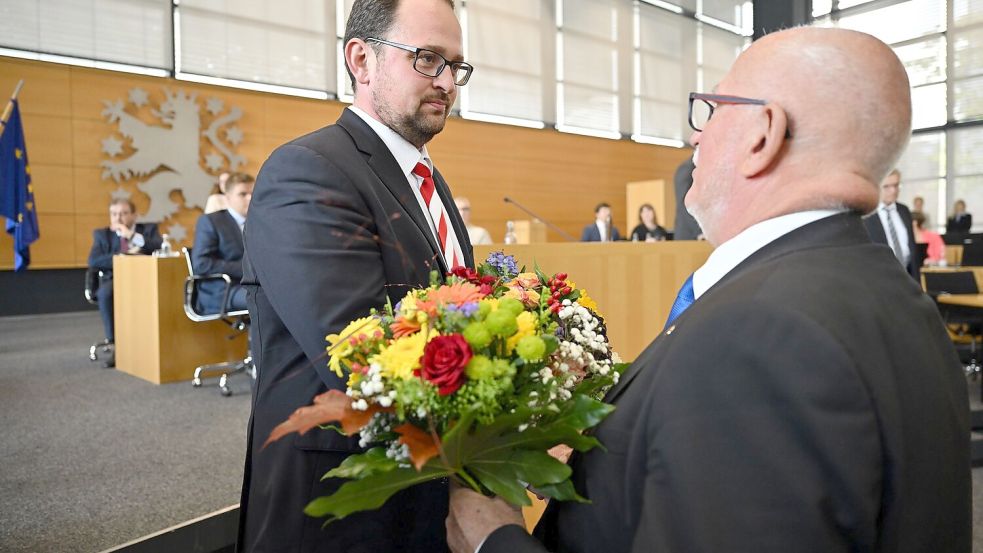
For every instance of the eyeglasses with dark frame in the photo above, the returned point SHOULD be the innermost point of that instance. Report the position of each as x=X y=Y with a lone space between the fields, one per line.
x=710 y=101
x=430 y=63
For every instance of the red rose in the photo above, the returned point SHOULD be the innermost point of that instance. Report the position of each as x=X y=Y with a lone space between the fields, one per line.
x=466 y=273
x=443 y=362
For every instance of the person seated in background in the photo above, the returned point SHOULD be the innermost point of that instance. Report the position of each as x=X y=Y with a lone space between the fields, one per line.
x=936 y=247
x=219 y=247
x=918 y=204
x=959 y=222
x=216 y=201
x=478 y=235
x=601 y=230
x=648 y=229
x=123 y=236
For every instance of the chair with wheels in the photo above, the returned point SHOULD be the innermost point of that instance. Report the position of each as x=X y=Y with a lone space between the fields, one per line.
x=238 y=321
x=964 y=323
x=92 y=278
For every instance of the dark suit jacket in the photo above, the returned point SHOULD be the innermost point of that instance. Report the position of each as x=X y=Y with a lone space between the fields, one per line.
x=876 y=230
x=333 y=230
x=592 y=234
x=810 y=401
x=218 y=249
x=959 y=224
x=105 y=244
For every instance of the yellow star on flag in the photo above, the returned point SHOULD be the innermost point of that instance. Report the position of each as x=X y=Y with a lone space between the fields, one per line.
x=18 y=153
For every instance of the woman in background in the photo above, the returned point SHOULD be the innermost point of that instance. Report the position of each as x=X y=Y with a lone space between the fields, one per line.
x=936 y=248
x=959 y=222
x=648 y=229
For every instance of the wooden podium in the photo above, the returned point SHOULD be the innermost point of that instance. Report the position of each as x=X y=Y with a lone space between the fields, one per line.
x=633 y=283
x=155 y=340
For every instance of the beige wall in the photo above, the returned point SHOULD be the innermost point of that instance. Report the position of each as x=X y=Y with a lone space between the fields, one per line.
x=560 y=176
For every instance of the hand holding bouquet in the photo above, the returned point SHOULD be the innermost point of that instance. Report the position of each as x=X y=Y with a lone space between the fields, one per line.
x=476 y=379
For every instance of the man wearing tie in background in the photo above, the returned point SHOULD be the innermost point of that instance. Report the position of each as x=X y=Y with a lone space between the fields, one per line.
x=809 y=399
x=891 y=224
x=601 y=230
x=219 y=247
x=341 y=220
x=123 y=236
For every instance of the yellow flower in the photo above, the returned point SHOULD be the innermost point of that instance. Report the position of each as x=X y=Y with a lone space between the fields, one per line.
x=526 y=322
x=402 y=356
x=584 y=299
x=341 y=345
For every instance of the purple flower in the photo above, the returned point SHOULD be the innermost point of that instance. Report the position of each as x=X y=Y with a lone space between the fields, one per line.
x=466 y=309
x=504 y=264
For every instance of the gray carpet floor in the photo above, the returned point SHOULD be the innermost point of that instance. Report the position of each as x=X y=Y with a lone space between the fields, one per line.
x=91 y=458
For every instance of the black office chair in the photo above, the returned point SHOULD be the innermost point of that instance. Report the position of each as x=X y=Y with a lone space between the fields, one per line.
x=238 y=321
x=92 y=278
x=962 y=321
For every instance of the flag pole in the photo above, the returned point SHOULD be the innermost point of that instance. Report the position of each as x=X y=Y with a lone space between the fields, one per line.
x=10 y=103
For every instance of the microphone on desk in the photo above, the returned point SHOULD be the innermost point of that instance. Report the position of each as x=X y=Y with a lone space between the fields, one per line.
x=560 y=231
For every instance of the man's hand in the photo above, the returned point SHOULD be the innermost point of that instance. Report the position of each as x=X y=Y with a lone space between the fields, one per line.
x=473 y=517
x=122 y=230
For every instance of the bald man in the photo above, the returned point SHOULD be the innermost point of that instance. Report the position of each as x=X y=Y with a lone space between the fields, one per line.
x=808 y=399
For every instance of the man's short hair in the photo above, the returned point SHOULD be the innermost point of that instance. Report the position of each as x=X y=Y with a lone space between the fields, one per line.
x=238 y=178
x=371 y=18
x=600 y=205
x=894 y=172
x=121 y=201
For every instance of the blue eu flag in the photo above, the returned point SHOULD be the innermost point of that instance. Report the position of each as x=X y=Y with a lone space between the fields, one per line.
x=16 y=193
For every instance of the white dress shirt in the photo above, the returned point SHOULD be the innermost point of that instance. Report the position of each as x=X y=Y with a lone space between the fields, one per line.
x=731 y=253
x=239 y=219
x=407 y=156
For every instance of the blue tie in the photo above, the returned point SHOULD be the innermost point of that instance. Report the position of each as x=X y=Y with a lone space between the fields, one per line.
x=683 y=300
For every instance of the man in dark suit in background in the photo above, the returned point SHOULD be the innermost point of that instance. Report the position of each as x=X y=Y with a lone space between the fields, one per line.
x=686 y=227
x=123 y=236
x=809 y=400
x=218 y=247
x=601 y=230
x=340 y=220
x=890 y=224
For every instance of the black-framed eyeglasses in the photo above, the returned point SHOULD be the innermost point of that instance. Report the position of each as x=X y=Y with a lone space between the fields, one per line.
x=430 y=63
x=701 y=108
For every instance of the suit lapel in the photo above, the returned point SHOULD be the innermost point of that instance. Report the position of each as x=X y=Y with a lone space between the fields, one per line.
x=384 y=165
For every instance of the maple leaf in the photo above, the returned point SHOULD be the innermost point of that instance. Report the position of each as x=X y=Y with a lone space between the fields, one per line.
x=329 y=407
x=421 y=444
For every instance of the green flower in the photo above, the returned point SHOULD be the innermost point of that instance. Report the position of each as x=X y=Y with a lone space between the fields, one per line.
x=484 y=308
x=480 y=367
x=477 y=335
x=511 y=305
x=503 y=368
x=531 y=348
x=501 y=322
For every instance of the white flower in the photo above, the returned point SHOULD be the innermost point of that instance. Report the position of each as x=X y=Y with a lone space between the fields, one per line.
x=385 y=401
x=360 y=405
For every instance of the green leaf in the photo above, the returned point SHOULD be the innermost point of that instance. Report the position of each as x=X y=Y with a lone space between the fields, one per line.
x=583 y=412
x=539 y=273
x=538 y=468
x=564 y=491
x=498 y=475
x=371 y=492
x=373 y=461
x=453 y=442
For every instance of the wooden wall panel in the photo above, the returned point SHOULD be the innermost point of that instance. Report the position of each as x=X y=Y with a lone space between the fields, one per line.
x=560 y=176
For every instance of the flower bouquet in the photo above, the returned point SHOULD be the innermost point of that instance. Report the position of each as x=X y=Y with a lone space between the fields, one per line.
x=475 y=378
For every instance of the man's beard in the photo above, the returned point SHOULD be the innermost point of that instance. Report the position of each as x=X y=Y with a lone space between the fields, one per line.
x=417 y=128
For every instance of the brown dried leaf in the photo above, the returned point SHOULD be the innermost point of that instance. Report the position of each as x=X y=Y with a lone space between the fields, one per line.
x=421 y=444
x=329 y=407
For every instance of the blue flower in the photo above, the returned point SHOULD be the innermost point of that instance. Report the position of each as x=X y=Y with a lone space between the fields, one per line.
x=505 y=265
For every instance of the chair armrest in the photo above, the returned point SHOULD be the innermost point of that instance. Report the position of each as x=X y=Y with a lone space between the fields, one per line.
x=189 y=289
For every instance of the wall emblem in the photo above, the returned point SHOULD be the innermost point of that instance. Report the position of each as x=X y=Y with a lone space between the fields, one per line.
x=178 y=147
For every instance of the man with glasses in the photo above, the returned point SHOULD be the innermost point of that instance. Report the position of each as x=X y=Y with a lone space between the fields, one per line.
x=804 y=395
x=342 y=219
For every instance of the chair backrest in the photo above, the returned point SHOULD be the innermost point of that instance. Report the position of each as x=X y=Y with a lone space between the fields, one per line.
x=972 y=254
x=91 y=284
x=951 y=282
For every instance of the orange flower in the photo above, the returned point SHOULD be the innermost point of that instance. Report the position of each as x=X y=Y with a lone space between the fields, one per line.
x=457 y=294
x=404 y=327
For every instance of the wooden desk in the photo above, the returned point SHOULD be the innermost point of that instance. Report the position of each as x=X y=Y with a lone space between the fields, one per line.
x=155 y=340
x=964 y=300
x=633 y=283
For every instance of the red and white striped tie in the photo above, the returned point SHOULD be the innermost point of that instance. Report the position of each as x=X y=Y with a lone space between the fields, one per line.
x=445 y=234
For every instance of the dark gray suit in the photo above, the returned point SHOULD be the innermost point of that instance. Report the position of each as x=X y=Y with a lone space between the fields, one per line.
x=686 y=227
x=876 y=230
x=218 y=249
x=333 y=230
x=810 y=401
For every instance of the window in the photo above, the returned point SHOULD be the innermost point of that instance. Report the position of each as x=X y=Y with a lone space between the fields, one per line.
x=587 y=67
x=132 y=32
